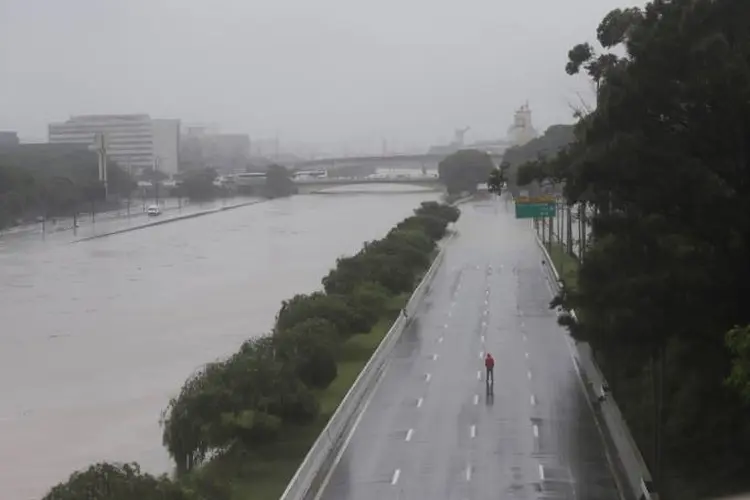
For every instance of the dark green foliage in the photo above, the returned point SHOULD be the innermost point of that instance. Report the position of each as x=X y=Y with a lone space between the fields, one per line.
x=278 y=182
x=662 y=161
x=333 y=308
x=53 y=180
x=108 y=481
x=464 y=170
x=310 y=348
x=199 y=184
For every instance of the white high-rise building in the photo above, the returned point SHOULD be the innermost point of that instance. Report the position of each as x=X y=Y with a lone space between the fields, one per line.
x=522 y=130
x=135 y=142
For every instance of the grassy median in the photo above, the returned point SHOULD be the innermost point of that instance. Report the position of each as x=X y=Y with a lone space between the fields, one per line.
x=566 y=265
x=264 y=473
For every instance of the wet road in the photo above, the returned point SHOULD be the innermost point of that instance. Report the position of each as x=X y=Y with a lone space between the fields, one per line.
x=431 y=430
x=97 y=336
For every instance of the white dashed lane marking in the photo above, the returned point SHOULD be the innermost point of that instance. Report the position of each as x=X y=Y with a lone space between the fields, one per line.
x=396 y=475
x=419 y=402
x=408 y=434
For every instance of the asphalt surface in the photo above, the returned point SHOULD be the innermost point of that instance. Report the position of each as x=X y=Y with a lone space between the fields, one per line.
x=432 y=430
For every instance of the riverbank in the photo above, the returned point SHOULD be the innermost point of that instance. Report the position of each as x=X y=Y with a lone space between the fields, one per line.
x=264 y=473
x=161 y=221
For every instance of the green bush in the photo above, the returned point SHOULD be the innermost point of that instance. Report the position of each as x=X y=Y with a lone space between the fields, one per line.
x=109 y=481
x=310 y=348
x=442 y=211
x=333 y=308
x=432 y=226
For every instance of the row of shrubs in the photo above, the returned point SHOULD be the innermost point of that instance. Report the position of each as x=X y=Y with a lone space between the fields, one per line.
x=273 y=382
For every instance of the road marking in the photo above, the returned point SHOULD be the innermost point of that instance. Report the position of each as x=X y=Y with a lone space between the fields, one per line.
x=482 y=338
x=520 y=313
x=362 y=412
x=476 y=399
x=479 y=374
x=445 y=325
x=473 y=431
x=525 y=337
x=528 y=374
x=527 y=355
x=536 y=431
x=396 y=475
x=468 y=472
x=427 y=377
x=450 y=313
x=541 y=472
x=419 y=402
x=434 y=357
x=481 y=354
x=484 y=324
x=533 y=400
x=408 y=434
x=486 y=302
x=453 y=304
x=485 y=312
x=440 y=340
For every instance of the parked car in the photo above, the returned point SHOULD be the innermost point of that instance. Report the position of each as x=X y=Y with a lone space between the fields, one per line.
x=153 y=210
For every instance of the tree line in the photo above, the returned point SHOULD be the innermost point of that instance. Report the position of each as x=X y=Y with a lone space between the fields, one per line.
x=272 y=384
x=662 y=289
x=52 y=182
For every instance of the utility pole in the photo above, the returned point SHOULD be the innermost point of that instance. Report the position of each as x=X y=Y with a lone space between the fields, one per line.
x=100 y=146
x=155 y=181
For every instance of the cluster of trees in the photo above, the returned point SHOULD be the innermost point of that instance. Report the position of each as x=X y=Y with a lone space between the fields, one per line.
x=278 y=182
x=52 y=180
x=519 y=160
x=662 y=295
x=273 y=382
x=464 y=170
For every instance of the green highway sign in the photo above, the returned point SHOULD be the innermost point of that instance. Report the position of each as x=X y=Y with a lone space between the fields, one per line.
x=538 y=210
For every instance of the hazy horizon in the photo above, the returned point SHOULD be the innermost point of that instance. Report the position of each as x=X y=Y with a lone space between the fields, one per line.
x=334 y=73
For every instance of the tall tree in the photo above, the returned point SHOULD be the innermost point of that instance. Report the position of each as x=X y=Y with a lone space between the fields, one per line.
x=663 y=162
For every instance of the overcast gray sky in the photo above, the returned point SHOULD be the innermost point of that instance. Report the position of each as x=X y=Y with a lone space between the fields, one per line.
x=317 y=71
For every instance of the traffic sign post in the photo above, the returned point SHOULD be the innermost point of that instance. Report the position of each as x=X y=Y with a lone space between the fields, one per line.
x=535 y=210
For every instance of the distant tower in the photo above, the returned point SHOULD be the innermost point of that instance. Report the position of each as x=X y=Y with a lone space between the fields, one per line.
x=458 y=136
x=522 y=130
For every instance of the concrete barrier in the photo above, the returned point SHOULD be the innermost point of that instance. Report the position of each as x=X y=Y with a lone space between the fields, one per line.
x=636 y=474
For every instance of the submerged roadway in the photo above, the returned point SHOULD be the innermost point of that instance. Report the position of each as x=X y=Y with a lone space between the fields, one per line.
x=432 y=430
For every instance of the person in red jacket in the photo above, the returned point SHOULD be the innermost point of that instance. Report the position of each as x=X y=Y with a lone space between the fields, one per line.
x=489 y=364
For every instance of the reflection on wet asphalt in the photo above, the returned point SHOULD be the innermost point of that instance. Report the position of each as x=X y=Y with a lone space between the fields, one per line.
x=97 y=336
x=433 y=429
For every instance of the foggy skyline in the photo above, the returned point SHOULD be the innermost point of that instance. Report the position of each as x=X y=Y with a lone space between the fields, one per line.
x=331 y=72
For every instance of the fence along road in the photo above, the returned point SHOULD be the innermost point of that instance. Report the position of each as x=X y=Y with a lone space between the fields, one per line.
x=431 y=430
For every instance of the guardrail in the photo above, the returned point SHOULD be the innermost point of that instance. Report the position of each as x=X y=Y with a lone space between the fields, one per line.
x=320 y=457
x=637 y=475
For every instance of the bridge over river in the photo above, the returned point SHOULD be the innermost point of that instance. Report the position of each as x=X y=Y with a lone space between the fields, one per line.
x=427 y=161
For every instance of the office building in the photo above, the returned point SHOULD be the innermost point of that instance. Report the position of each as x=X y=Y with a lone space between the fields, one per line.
x=224 y=152
x=135 y=142
x=8 y=139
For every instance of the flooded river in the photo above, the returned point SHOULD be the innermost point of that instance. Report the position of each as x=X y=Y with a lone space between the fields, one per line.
x=96 y=336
